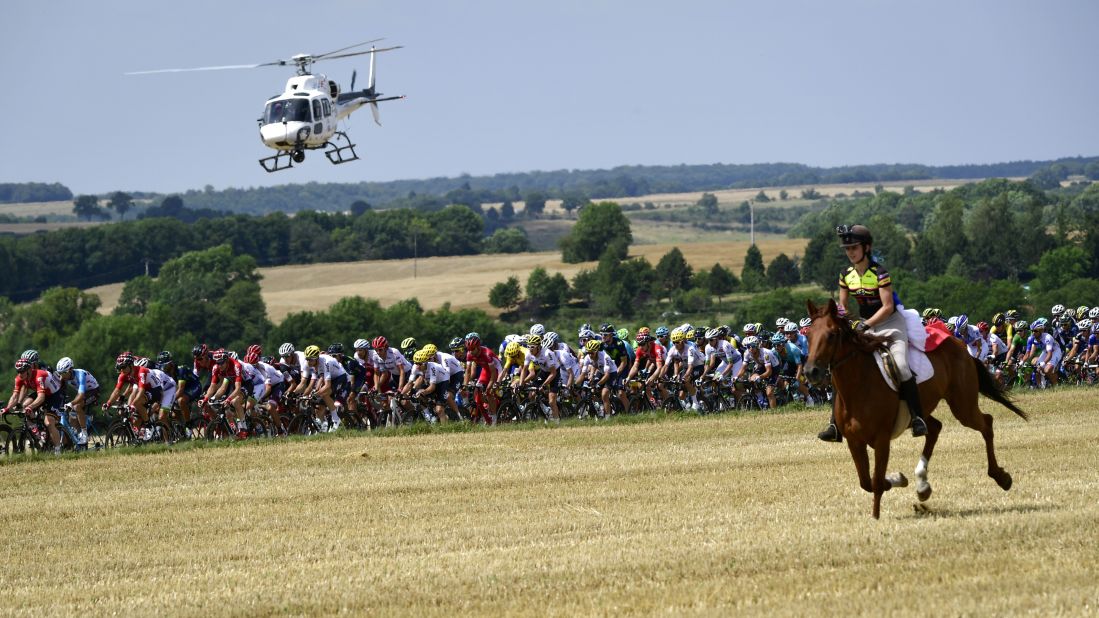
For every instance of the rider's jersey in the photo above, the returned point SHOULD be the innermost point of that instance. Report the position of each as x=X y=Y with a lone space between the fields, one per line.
x=690 y=354
x=140 y=377
x=793 y=354
x=433 y=373
x=515 y=360
x=159 y=379
x=483 y=358
x=655 y=353
x=83 y=380
x=452 y=364
x=803 y=345
x=763 y=358
x=41 y=381
x=544 y=360
x=230 y=370
x=725 y=352
x=566 y=360
x=1022 y=344
x=297 y=359
x=602 y=364
x=329 y=367
x=617 y=350
x=249 y=373
x=268 y=374
x=994 y=341
x=1064 y=337
x=392 y=362
x=865 y=287
x=1048 y=350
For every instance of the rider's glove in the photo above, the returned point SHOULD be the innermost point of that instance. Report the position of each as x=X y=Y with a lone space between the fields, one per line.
x=861 y=327
x=105 y=406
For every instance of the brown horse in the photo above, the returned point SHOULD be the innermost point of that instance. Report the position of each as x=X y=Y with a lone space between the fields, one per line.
x=867 y=408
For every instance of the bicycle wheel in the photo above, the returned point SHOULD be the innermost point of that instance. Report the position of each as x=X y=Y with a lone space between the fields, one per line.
x=671 y=403
x=585 y=410
x=508 y=412
x=303 y=425
x=119 y=434
x=219 y=430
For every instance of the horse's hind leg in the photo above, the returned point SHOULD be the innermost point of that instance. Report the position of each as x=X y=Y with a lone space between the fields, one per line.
x=862 y=464
x=881 y=462
x=969 y=414
x=923 y=487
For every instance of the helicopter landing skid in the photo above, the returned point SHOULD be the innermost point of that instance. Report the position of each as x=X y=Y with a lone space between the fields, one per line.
x=284 y=160
x=341 y=154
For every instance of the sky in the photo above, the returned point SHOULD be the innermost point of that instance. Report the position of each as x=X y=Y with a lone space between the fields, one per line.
x=497 y=86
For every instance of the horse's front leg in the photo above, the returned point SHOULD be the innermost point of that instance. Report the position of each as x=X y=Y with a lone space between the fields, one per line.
x=923 y=487
x=881 y=460
x=862 y=463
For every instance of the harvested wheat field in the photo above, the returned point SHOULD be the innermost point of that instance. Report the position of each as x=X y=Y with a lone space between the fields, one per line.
x=462 y=281
x=717 y=515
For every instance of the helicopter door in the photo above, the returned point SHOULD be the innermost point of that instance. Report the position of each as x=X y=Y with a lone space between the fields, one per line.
x=318 y=116
x=328 y=124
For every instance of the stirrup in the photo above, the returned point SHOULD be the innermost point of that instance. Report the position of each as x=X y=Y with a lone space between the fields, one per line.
x=919 y=427
x=831 y=433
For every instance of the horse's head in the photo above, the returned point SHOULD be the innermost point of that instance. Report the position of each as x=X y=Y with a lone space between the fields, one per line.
x=826 y=336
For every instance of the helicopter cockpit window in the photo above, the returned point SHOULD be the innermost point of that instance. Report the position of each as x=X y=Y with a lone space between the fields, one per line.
x=327 y=108
x=317 y=109
x=289 y=110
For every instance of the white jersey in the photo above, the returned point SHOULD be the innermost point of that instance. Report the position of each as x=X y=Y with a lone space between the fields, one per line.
x=690 y=354
x=1050 y=351
x=433 y=373
x=329 y=368
x=158 y=379
x=544 y=360
x=727 y=356
x=452 y=364
x=303 y=365
x=566 y=360
x=269 y=374
x=994 y=341
x=601 y=364
x=248 y=373
x=392 y=362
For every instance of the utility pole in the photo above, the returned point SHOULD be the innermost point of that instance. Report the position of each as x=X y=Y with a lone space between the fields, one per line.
x=415 y=251
x=752 y=219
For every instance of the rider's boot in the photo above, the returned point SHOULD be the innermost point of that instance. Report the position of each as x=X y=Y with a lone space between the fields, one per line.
x=911 y=394
x=831 y=433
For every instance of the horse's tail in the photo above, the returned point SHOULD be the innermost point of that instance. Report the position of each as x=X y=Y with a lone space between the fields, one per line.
x=991 y=389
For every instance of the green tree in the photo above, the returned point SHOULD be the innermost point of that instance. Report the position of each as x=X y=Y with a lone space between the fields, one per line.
x=943 y=236
x=810 y=194
x=545 y=292
x=358 y=207
x=692 y=301
x=505 y=294
x=573 y=200
x=708 y=203
x=722 y=281
x=583 y=285
x=783 y=272
x=783 y=195
x=600 y=227
x=121 y=203
x=985 y=230
x=87 y=207
x=458 y=230
x=673 y=273
x=761 y=197
x=507 y=211
x=1060 y=266
x=507 y=240
x=534 y=204
x=753 y=275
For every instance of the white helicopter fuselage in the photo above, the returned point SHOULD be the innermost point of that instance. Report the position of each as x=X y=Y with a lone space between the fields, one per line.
x=305 y=115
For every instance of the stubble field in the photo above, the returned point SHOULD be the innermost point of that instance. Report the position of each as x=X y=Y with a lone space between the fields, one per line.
x=717 y=515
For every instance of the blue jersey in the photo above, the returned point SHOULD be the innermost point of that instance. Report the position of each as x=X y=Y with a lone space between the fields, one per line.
x=803 y=345
x=793 y=353
x=83 y=380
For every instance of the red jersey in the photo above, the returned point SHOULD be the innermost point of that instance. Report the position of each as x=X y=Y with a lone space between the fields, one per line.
x=41 y=380
x=231 y=371
x=138 y=376
x=657 y=354
x=204 y=363
x=482 y=357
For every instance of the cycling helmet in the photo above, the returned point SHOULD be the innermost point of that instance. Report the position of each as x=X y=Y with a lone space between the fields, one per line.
x=512 y=348
x=162 y=358
x=1084 y=325
x=124 y=360
x=592 y=346
x=805 y=322
x=1069 y=313
x=1065 y=319
x=952 y=321
x=380 y=343
x=689 y=333
x=662 y=331
x=251 y=358
x=538 y=329
x=286 y=349
x=962 y=323
x=473 y=340
x=791 y=327
x=723 y=330
x=22 y=365
x=1038 y=324
x=1057 y=310
x=220 y=356
x=408 y=343
x=335 y=348
x=853 y=235
x=678 y=336
x=1082 y=311
x=266 y=359
x=750 y=342
x=66 y=363
x=749 y=329
x=201 y=350
x=141 y=362
x=983 y=327
x=781 y=322
x=533 y=340
x=588 y=334
x=700 y=333
x=456 y=344
x=551 y=339
x=361 y=344
x=998 y=319
x=1011 y=314
x=622 y=333
x=421 y=356
x=606 y=329
x=1094 y=313
x=585 y=326
x=713 y=333
x=312 y=352
x=431 y=350
x=643 y=338
x=1022 y=326
x=928 y=313
x=524 y=339
x=233 y=355
x=778 y=339
x=31 y=356
x=644 y=330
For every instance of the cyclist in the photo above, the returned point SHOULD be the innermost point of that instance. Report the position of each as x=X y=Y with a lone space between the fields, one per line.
x=1018 y=348
x=542 y=365
x=455 y=372
x=514 y=355
x=87 y=394
x=620 y=354
x=482 y=365
x=267 y=386
x=389 y=366
x=1044 y=349
x=648 y=361
x=722 y=358
x=162 y=395
x=188 y=385
x=429 y=380
x=47 y=396
x=795 y=336
x=764 y=366
x=791 y=365
x=663 y=336
x=331 y=383
x=686 y=363
x=569 y=375
x=227 y=382
x=600 y=372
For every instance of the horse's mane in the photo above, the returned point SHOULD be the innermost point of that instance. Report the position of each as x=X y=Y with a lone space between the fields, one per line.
x=863 y=341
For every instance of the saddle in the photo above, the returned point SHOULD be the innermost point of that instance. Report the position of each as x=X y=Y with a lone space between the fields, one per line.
x=918 y=362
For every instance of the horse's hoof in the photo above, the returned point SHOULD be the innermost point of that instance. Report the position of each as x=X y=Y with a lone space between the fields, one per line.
x=1004 y=481
x=923 y=491
x=897 y=479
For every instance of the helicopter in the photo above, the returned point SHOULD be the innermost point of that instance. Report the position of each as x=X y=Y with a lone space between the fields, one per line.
x=305 y=116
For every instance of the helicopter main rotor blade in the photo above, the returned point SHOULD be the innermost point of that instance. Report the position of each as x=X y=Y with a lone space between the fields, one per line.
x=220 y=68
x=336 y=51
x=361 y=53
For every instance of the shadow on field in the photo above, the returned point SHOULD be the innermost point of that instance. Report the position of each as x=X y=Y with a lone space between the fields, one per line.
x=920 y=510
